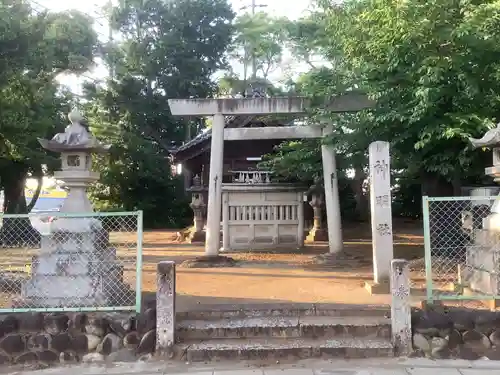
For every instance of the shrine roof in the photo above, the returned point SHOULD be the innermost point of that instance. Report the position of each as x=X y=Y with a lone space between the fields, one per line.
x=201 y=142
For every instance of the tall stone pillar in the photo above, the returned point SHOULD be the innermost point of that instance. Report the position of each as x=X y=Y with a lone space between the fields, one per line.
x=332 y=202
x=212 y=244
x=381 y=216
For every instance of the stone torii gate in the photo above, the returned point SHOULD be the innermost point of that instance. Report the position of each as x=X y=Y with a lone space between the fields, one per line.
x=218 y=108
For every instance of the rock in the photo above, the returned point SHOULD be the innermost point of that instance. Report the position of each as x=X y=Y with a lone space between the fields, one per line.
x=92 y=358
x=438 y=346
x=13 y=343
x=8 y=324
x=430 y=323
x=486 y=321
x=146 y=321
x=111 y=343
x=62 y=342
x=122 y=355
x=495 y=337
x=121 y=324
x=463 y=320
x=56 y=323
x=454 y=339
x=30 y=322
x=78 y=322
x=147 y=343
x=68 y=357
x=467 y=353
x=96 y=326
x=92 y=342
x=80 y=343
x=47 y=356
x=493 y=354
x=421 y=343
x=476 y=341
x=39 y=341
x=26 y=357
x=4 y=358
x=131 y=340
x=146 y=357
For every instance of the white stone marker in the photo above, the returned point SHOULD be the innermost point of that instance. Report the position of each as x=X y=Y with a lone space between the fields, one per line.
x=381 y=214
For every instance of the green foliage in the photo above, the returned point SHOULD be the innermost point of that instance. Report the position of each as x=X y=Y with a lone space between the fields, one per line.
x=36 y=47
x=170 y=50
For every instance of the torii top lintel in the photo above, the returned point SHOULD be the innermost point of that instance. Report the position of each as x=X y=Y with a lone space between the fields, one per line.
x=349 y=102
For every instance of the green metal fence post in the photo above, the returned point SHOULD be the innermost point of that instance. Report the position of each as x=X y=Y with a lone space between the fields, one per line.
x=138 y=272
x=427 y=247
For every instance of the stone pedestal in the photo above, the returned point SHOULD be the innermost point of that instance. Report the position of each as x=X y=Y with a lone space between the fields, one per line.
x=317 y=232
x=76 y=266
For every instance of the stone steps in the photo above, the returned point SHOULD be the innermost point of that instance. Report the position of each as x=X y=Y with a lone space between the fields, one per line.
x=273 y=332
x=279 y=349
x=216 y=312
x=285 y=327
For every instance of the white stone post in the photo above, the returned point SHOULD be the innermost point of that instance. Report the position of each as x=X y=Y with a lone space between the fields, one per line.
x=332 y=202
x=212 y=243
x=401 y=307
x=381 y=214
x=225 y=221
x=300 y=216
x=165 y=307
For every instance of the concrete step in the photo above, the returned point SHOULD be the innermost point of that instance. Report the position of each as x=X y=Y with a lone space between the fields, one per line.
x=285 y=327
x=217 y=312
x=281 y=349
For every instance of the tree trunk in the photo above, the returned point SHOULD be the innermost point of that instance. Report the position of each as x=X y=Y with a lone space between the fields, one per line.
x=16 y=231
x=39 y=179
x=359 y=196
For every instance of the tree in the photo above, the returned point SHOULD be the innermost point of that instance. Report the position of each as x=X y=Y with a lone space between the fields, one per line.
x=433 y=68
x=169 y=50
x=258 y=44
x=36 y=47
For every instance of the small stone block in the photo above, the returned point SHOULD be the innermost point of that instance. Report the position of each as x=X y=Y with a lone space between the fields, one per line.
x=165 y=309
x=378 y=288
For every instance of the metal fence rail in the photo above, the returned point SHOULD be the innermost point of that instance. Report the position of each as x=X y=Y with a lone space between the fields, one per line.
x=71 y=262
x=462 y=252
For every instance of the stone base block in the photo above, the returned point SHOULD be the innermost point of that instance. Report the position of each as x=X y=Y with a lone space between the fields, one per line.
x=486 y=258
x=197 y=237
x=316 y=235
x=378 y=288
x=482 y=281
x=484 y=237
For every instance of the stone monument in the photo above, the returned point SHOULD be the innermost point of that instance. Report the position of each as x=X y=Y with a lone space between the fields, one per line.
x=482 y=271
x=75 y=266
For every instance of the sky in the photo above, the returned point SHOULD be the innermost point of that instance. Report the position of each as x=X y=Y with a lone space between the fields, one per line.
x=292 y=9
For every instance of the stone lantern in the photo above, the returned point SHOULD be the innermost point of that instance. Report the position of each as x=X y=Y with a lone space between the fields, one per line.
x=76 y=266
x=482 y=255
x=317 y=232
x=198 y=206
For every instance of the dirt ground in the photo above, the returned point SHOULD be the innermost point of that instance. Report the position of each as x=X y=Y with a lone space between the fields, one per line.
x=278 y=277
x=259 y=277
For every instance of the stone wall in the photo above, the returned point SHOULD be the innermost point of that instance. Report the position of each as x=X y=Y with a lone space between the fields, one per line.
x=48 y=338
x=449 y=332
